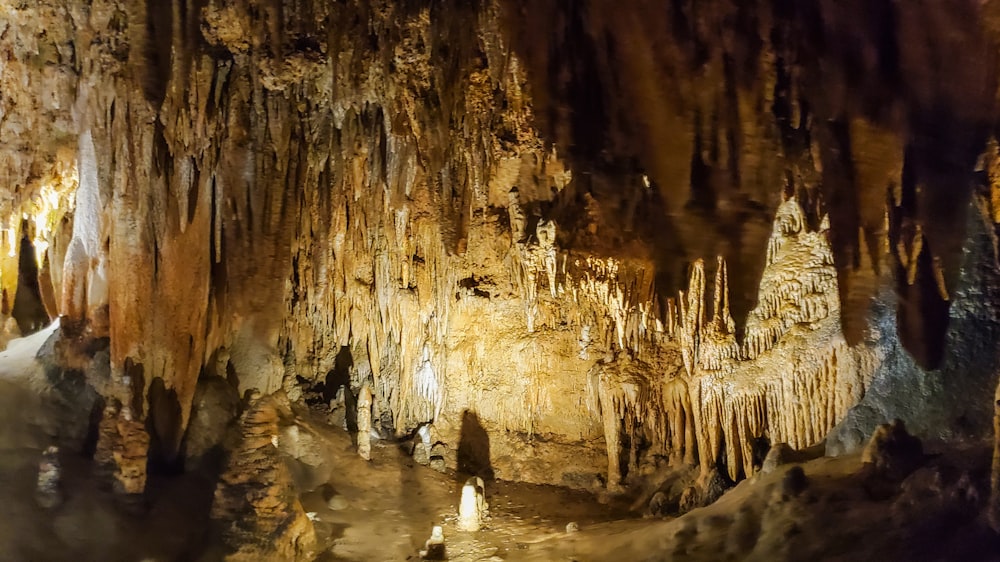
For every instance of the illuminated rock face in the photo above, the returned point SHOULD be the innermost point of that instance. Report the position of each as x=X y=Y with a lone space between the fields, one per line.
x=790 y=379
x=261 y=191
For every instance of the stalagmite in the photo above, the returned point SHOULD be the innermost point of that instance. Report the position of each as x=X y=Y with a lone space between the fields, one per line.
x=434 y=546
x=48 y=489
x=130 y=454
x=472 y=509
x=255 y=502
x=365 y=422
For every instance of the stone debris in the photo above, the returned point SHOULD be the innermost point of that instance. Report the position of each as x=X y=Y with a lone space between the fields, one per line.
x=892 y=452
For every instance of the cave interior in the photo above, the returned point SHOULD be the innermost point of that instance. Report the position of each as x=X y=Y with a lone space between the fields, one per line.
x=487 y=280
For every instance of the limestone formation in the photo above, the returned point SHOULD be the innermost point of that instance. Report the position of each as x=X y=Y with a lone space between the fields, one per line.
x=779 y=454
x=108 y=438
x=129 y=453
x=515 y=214
x=48 y=490
x=639 y=231
x=658 y=504
x=473 y=508
x=434 y=547
x=255 y=506
x=403 y=175
x=422 y=446
x=216 y=406
x=892 y=452
x=794 y=482
x=365 y=423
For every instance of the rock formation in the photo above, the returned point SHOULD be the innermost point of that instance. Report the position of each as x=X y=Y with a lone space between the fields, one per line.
x=472 y=509
x=434 y=548
x=48 y=491
x=365 y=423
x=255 y=504
x=631 y=231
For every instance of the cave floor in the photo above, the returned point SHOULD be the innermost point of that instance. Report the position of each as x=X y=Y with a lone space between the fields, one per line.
x=838 y=511
x=381 y=509
x=384 y=509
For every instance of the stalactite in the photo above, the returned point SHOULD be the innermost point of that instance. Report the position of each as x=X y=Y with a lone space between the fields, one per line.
x=286 y=187
x=772 y=383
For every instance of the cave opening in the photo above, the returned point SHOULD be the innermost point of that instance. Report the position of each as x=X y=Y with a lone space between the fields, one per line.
x=28 y=309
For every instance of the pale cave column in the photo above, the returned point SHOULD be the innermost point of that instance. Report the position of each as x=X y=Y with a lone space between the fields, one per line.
x=518 y=220
x=546 y=232
x=612 y=439
x=365 y=422
x=84 y=289
x=97 y=296
x=73 y=302
x=473 y=507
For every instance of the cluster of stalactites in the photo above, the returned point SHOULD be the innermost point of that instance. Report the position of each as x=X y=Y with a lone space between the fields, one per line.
x=797 y=402
x=609 y=297
x=781 y=382
x=630 y=402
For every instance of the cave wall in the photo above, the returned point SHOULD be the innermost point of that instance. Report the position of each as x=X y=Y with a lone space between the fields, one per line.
x=467 y=197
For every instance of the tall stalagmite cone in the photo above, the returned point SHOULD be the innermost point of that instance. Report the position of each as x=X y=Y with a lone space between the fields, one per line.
x=365 y=422
x=255 y=504
x=130 y=454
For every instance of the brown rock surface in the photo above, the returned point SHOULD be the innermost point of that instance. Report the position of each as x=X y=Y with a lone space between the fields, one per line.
x=256 y=506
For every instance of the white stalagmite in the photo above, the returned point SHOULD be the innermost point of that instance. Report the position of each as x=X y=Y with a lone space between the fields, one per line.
x=365 y=422
x=473 y=507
